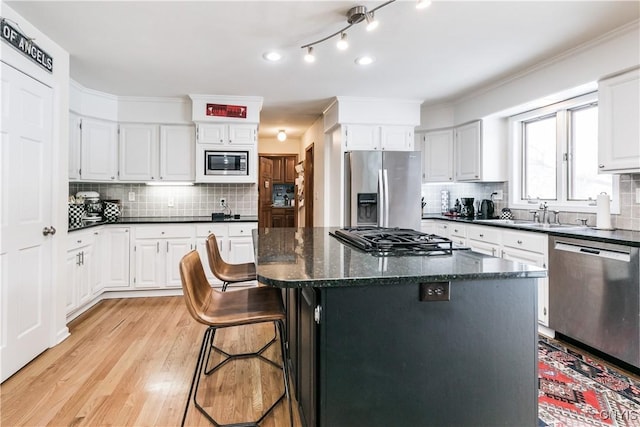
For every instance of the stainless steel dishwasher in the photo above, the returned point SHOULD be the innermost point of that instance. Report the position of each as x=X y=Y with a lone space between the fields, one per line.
x=594 y=295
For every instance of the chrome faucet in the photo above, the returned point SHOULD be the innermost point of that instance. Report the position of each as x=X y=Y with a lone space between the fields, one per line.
x=543 y=208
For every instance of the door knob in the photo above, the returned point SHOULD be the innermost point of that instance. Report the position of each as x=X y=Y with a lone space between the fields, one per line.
x=48 y=230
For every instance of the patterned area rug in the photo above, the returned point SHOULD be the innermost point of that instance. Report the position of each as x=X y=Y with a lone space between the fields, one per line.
x=576 y=390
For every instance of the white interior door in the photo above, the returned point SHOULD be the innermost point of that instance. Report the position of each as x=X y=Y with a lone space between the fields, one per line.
x=25 y=252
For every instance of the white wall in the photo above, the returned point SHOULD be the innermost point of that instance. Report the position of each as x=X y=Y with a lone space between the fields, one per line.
x=59 y=81
x=576 y=70
x=273 y=146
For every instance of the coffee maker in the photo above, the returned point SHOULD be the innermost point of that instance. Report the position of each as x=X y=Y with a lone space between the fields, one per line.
x=467 y=210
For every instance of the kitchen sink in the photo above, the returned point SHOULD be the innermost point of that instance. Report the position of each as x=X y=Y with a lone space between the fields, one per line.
x=504 y=221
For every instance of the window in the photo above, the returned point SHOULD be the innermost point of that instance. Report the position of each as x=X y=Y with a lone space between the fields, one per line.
x=555 y=157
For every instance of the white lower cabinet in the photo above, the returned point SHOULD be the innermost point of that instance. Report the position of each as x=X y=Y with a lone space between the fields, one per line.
x=157 y=253
x=79 y=266
x=221 y=232
x=428 y=226
x=526 y=247
x=241 y=243
x=114 y=257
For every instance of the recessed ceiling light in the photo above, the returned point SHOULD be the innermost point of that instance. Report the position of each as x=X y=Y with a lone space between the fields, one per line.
x=364 y=60
x=272 y=56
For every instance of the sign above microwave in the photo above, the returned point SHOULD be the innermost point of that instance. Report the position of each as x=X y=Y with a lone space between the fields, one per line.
x=222 y=110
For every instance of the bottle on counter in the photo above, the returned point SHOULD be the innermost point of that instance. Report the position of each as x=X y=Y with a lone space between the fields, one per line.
x=457 y=207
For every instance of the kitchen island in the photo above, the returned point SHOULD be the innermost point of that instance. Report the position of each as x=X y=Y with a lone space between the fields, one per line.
x=404 y=340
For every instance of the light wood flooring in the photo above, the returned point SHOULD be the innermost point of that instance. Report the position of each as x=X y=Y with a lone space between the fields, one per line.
x=129 y=362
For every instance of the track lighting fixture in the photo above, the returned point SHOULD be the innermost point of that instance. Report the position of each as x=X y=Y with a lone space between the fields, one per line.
x=343 y=43
x=310 y=57
x=355 y=15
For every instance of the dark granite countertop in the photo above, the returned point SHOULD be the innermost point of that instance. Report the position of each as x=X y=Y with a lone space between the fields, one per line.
x=310 y=257
x=164 y=220
x=625 y=237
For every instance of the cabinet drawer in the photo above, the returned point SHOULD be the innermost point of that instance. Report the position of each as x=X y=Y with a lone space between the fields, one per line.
x=534 y=242
x=80 y=239
x=242 y=229
x=457 y=230
x=163 y=232
x=484 y=234
x=203 y=230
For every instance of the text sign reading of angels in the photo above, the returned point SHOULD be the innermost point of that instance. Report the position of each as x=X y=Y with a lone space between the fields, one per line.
x=26 y=46
x=220 y=110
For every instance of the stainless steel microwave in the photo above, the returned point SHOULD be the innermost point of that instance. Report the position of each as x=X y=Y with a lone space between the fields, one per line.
x=226 y=162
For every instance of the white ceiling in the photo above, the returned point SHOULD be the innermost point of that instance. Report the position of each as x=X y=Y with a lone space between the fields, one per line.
x=161 y=48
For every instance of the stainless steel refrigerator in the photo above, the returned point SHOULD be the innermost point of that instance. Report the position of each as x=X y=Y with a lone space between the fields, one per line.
x=382 y=188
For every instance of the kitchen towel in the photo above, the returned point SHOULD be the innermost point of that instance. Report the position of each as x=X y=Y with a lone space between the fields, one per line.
x=603 y=213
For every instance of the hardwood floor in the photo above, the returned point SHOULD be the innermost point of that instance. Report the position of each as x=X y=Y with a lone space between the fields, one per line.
x=129 y=362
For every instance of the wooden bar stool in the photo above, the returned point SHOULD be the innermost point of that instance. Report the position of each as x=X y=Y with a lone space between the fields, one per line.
x=228 y=273
x=224 y=309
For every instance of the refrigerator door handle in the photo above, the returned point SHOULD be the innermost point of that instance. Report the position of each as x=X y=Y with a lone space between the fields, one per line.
x=386 y=197
x=381 y=202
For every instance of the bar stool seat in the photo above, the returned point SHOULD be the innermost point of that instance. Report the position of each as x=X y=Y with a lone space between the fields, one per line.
x=225 y=309
x=228 y=273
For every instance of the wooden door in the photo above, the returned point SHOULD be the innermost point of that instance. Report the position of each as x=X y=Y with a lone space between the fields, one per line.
x=265 y=199
x=26 y=247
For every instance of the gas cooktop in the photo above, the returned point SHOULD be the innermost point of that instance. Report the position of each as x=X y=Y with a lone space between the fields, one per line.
x=394 y=241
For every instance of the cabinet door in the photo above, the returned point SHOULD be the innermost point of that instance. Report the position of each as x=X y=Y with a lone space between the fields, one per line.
x=438 y=156
x=148 y=267
x=289 y=218
x=468 y=152
x=177 y=153
x=396 y=138
x=240 y=250
x=618 y=131
x=94 y=261
x=307 y=351
x=278 y=169
x=72 y=267
x=201 y=246
x=138 y=152
x=526 y=257
x=242 y=134
x=99 y=150
x=175 y=250
x=85 y=276
x=277 y=218
x=362 y=137
x=289 y=169
x=75 y=134
x=483 y=247
x=115 y=255
x=212 y=133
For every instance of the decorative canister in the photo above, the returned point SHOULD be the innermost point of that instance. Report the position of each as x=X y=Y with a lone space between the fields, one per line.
x=506 y=214
x=111 y=211
x=76 y=212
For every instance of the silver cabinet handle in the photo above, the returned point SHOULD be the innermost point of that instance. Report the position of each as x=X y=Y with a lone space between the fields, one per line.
x=167 y=246
x=493 y=251
x=158 y=247
x=49 y=231
x=78 y=258
x=601 y=166
x=519 y=242
x=481 y=235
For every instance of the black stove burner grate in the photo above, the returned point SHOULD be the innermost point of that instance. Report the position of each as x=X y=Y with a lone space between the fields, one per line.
x=395 y=241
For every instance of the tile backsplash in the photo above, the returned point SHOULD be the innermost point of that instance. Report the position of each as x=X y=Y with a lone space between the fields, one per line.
x=628 y=219
x=196 y=200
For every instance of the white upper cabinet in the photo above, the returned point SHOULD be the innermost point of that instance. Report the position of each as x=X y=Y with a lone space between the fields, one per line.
x=468 y=142
x=373 y=137
x=99 y=150
x=437 y=155
x=156 y=153
x=177 y=153
x=227 y=134
x=75 y=138
x=138 y=152
x=618 y=129
x=474 y=151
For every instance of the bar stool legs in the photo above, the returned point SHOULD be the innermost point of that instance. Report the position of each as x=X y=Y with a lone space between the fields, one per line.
x=201 y=369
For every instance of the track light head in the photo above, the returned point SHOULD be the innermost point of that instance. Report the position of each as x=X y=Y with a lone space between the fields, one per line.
x=310 y=57
x=343 y=43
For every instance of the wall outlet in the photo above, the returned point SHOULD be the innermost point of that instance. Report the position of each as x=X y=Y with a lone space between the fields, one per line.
x=170 y=202
x=132 y=196
x=499 y=195
x=223 y=201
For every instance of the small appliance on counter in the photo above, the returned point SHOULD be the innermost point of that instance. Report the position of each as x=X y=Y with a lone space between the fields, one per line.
x=506 y=214
x=92 y=204
x=487 y=209
x=112 y=210
x=467 y=210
